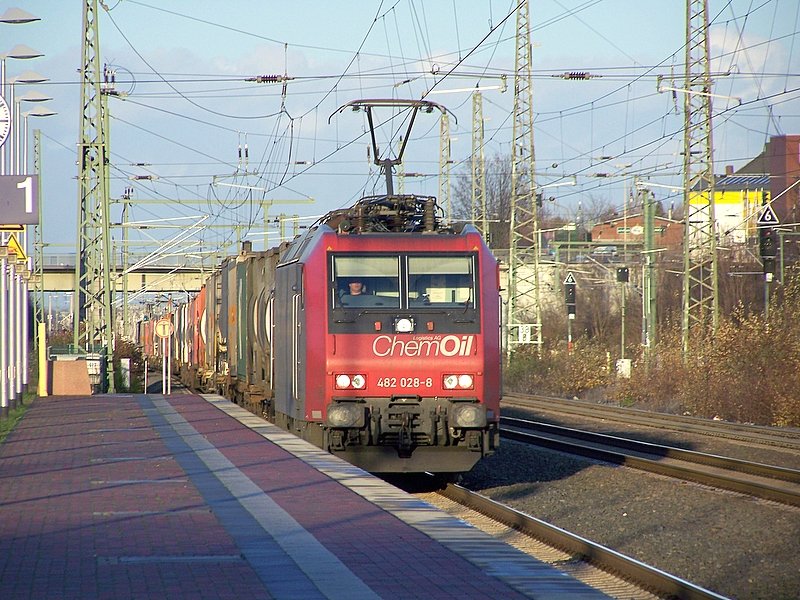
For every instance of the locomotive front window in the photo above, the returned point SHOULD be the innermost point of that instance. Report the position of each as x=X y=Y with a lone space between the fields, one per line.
x=441 y=281
x=366 y=281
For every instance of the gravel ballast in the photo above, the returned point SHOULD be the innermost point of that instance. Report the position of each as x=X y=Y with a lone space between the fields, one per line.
x=729 y=543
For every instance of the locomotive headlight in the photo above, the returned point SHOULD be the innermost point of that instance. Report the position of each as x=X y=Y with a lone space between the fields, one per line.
x=403 y=325
x=462 y=381
x=345 y=414
x=350 y=382
x=466 y=414
x=450 y=382
x=465 y=382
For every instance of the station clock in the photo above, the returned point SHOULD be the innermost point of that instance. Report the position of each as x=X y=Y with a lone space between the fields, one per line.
x=5 y=121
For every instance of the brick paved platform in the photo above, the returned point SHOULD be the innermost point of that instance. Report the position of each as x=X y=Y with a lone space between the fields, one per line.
x=192 y=497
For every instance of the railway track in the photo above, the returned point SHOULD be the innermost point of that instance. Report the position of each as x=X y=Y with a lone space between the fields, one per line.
x=779 y=484
x=753 y=434
x=605 y=569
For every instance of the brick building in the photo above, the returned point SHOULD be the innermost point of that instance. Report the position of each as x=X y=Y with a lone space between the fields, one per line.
x=668 y=232
x=780 y=160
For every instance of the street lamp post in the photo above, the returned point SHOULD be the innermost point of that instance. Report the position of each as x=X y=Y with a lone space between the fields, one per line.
x=19 y=166
x=13 y=278
x=20 y=52
x=39 y=111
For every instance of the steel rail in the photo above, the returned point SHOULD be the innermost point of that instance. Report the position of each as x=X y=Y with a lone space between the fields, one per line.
x=647 y=577
x=702 y=458
x=788 y=437
x=745 y=483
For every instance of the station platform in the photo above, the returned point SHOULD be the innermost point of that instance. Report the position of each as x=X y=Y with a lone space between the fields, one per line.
x=186 y=496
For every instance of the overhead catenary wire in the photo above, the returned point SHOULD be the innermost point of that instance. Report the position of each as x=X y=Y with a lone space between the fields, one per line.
x=279 y=169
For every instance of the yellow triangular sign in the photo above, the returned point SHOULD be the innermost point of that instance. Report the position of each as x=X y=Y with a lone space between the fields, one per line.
x=13 y=246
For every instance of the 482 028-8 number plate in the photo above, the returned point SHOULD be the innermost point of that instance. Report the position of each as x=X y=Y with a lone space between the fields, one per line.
x=405 y=382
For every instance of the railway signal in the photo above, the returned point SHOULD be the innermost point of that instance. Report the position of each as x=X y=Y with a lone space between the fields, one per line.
x=570 y=286
x=165 y=329
x=569 y=294
x=768 y=240
x=768 y=248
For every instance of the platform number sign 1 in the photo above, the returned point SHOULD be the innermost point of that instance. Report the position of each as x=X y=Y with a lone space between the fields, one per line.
x=19 y=198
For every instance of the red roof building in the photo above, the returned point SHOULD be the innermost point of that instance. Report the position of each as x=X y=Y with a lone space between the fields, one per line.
x=668 y=232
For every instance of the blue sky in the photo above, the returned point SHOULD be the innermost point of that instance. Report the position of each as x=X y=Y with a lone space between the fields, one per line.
x=182 y=66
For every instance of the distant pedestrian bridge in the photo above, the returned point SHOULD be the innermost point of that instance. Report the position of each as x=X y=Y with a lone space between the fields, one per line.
x=167 y=275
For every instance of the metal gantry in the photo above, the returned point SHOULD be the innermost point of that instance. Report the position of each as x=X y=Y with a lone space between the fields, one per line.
x=524 y=317
x=38 y=243
x=93 y=321
x=700 y=284
x=649 y=282
x=444 y=166
x=479 y=216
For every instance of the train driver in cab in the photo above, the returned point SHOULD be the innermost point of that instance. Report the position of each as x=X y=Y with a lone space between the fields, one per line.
x=356 y=287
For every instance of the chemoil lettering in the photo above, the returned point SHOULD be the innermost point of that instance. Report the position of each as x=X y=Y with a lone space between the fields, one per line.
x=449 y=345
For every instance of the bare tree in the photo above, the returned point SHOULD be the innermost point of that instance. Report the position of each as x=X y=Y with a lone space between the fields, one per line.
x=594 y=210
x=498 y=198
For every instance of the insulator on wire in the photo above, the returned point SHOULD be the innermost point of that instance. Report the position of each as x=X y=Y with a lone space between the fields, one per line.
x=576 y=75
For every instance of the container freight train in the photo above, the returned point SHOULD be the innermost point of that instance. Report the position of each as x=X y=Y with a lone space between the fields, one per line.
x=375 y=336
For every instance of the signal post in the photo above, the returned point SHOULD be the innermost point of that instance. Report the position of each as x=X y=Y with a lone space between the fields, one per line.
x=164 y=329
x=767 y=248
x=570 y=286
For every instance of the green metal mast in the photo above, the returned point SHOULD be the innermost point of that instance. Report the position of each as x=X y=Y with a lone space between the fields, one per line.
x=479 y=216
x=93 y=322
x=524 y=317
x=444 y=166
x=38 y=245
x=649 y=304
x=700 y=276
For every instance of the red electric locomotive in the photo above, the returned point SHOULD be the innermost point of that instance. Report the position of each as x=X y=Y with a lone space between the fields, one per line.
x=386 y=339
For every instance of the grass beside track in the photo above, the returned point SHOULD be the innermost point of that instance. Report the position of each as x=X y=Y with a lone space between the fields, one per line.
x=8 y=424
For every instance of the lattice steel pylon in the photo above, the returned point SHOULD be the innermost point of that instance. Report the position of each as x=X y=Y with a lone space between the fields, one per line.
x=38 y=245
x=444 y=166
x=93 y=320
x=479 y=217
x=524 y=315
x=700 y=283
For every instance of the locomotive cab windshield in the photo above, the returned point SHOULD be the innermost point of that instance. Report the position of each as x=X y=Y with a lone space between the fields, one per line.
x=366 y=281
x=409 y=281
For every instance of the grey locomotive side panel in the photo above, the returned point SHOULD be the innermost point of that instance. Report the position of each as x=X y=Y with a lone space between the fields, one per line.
x=289 y=342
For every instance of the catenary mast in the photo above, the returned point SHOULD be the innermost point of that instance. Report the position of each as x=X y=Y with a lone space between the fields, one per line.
x=700 y=283
x=479 y=217
x=524 y=318
x=92 y=318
